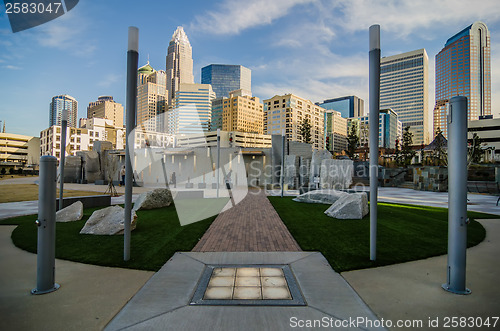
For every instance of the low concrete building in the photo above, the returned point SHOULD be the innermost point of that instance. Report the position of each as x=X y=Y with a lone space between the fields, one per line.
x=19 y=151
x=488 y=131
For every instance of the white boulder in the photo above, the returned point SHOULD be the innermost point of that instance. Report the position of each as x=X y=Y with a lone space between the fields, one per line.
x=73 y=212
x=350 y=206
x=108 y=221
x=321 y=196
x=157 y=198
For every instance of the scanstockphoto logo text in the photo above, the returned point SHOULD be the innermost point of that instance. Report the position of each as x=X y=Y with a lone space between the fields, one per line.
x=27 y=14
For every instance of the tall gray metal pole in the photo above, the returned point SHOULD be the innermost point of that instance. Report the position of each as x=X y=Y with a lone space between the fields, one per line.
x=283 y=139
x=374 y=129
x=46 y=246
x=457 y=195
x=218 y=161
x=132 y=62
x=64 y=125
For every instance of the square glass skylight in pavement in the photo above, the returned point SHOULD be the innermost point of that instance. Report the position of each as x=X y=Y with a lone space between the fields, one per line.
x=261 y=285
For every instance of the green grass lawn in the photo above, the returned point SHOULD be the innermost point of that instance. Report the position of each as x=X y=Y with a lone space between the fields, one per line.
x=405 y=233
x=157 y=237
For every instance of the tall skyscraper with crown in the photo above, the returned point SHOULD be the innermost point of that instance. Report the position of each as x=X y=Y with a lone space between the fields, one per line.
x=179 y=63
x=463 y=67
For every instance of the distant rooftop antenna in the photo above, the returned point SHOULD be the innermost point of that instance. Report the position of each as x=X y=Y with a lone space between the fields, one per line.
x=3 y=126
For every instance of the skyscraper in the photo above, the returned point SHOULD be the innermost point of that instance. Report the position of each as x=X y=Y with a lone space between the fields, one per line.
x=349 y=106
x=192 y=109
x=463 y=68
x=404 y=88
x=106 y=107
x=57 y=105
x=225 y=78
x=179 y=63
x=151 y=99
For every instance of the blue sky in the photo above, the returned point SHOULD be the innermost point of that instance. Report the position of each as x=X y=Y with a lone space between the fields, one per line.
x=317 y=49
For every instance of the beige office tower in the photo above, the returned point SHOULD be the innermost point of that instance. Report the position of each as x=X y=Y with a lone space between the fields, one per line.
x=179 y=63
x=242 y=113
x=286 y=113
x=105 y=107
x=151 y=99
x=404 y=80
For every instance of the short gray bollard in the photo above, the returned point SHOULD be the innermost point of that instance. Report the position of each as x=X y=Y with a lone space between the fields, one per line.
x=46 y=248
x=457 y=196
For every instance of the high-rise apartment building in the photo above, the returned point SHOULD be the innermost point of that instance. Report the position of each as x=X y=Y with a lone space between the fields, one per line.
x=286 y=113
x=225 y=78
x=179 y=63
x=60 y=103
x=192 y=109
x=242 y=113
x=463 y=68
x=404 y=89
x=151 y=99
x=105 y=107
x=349 y=106
x=335 y=131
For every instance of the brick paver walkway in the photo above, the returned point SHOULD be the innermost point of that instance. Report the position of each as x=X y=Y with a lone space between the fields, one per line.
x=251 y=226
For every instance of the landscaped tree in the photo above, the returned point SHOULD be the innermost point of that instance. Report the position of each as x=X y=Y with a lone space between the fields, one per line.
x=407 y=152
x=439 y=153
x=352 y=140
x=305 y=130
x=475 y=150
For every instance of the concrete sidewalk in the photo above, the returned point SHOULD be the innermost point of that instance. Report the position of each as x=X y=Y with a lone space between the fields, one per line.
x=88 y=299
x=412 y=290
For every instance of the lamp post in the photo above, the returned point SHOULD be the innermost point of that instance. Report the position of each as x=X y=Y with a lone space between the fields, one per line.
x=457 y=196
x=374 y=90
x=64 y=126
x=283 y=139
x=218 y=161
x=132 y=61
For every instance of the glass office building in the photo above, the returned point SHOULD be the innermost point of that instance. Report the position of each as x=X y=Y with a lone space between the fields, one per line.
x=225 y=78
x=404 y=88
x=349 y=106
x=60 y=103
x=463 y=68
x=192 y=109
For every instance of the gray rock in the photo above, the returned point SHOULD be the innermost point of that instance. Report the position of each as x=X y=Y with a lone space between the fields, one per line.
x=73 y=212
x=321 y=196
x=336 y=174
x=157 y=198
x=108 y=221
x=350 y=206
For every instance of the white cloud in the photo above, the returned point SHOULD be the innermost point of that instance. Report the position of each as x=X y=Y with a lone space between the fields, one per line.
x=109 y=80
x=407 y=17
x=11 y=67
x=232 y=17
x=66 y=33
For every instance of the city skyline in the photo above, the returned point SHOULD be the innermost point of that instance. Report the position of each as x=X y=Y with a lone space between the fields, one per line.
x=315 y=49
